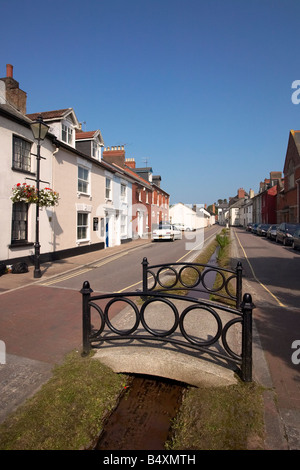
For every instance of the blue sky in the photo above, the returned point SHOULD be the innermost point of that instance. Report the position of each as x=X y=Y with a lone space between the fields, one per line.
x=201 y=90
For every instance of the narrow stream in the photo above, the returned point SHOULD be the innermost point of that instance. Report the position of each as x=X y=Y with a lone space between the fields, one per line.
x=142 y=419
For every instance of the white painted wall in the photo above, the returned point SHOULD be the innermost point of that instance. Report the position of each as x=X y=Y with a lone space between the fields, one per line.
x=10 y=177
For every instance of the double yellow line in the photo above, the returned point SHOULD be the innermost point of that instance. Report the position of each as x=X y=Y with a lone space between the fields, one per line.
x=254 y=275
x=77 y=272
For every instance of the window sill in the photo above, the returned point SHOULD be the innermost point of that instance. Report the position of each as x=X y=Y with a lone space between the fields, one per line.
x=21 y=170
x=85 y=240
x=79 y=194
x=22 y=244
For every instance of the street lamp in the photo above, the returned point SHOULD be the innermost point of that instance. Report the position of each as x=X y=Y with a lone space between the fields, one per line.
x=39 y=130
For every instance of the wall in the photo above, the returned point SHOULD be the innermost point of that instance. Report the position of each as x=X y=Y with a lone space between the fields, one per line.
x=9 y=178
x=71 y=201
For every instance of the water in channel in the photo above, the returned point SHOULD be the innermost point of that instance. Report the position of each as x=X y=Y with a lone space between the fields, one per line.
x=142 y=419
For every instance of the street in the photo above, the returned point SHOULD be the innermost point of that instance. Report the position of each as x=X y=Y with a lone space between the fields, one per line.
x=123 y=271
x=271 y=275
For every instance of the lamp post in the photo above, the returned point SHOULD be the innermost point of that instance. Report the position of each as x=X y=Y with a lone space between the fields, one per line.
x=39 y=130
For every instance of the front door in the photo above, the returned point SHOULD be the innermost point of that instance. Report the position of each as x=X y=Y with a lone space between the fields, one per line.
x=106 y=232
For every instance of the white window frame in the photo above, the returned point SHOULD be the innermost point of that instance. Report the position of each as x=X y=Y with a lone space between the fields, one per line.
x=123 y=192
x=67 y=134
x=123 y=224
x=86 y=226
x=95 y=150
x=83 y=180
x=108 y=188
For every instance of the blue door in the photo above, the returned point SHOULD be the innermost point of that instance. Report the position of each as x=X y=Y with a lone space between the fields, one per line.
x=106 y=232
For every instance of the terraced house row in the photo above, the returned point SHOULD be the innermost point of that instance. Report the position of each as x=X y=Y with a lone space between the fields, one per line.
x=104 y=200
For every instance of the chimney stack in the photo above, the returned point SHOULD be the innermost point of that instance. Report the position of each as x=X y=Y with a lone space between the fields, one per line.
x=114 y=155
x=9 y=70
x=130 y=162
x=241 y=193
x=13 y=94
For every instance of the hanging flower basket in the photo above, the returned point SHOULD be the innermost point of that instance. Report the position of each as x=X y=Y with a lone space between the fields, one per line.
x=48 y=197
x=25 y=193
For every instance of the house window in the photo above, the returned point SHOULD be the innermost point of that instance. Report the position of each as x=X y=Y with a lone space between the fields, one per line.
x=83 y=180
x=108 y=188
x=67 y=134
x=95 y=150
x=123 y=191
x=82 y=225
x=19 y=222
x=21 y=154
x=123 y=224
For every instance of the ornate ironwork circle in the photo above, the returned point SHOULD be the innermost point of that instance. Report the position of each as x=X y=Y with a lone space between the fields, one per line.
x=198 y=279
x=224 y=337
x=101 y=314
x=217 y=272
x=227 y=286
x=165 y=268
x=111 y=326
x=154 y=277
x=192 y=340
x=154 y=332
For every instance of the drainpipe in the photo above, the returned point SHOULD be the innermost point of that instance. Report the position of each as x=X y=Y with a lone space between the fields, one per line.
x=53 y=208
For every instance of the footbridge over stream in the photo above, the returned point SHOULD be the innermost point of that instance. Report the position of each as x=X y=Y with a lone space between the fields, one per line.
x=189 y=323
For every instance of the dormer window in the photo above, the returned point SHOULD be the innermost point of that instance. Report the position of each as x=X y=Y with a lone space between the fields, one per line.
x=95 y=150
x=67 y=134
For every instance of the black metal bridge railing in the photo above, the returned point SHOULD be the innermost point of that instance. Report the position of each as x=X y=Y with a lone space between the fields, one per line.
x=173 y=277
x=215 y=344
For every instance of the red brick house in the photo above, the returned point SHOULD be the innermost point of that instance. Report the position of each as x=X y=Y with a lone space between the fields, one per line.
x=288 y=201
x=269 y=206
x=160 y=199
x=268 y=191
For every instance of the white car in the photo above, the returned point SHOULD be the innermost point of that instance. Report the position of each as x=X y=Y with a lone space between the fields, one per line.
x=166 y=232
x=184 y=227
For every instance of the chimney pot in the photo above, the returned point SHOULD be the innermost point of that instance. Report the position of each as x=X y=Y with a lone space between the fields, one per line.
x=9 y=70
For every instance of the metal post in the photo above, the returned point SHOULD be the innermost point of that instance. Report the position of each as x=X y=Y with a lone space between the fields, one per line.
x=247 y=307
x=37 y=270
x=145 y=274
x=86 y=317
x=239 y=275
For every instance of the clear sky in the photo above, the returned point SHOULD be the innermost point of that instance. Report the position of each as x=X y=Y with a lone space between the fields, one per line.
x=200 y=90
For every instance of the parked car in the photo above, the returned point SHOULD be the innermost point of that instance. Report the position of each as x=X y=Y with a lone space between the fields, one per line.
x=271 y=232
x=262 y=229
x=254 y=228
x=285 y=232
x=248 y=227
x=296 y=240
x=183 y=227
x=166 y=232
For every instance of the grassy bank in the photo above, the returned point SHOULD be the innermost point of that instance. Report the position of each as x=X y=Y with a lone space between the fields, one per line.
x=69 y=410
